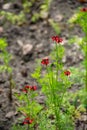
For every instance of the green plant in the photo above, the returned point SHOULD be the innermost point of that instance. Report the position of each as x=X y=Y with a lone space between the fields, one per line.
x=5 y=66
x=43 y=11
x=55 y=82
x=80 y=18
x=44 y=8
x=46 y=5
x=28 y=105
x=27 y=8
x=14 y=18
x=27 y=5
x=35 y=17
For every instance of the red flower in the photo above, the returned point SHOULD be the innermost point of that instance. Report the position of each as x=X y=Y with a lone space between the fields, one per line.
x=54 y=38
x=67 y=72
x=34 y=88
x=26 y=88
x=84 y=9
x=45 y=61
x=57 y=39
x=27 y=121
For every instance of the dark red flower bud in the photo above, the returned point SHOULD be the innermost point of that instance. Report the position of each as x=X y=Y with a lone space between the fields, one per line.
x=53 y=38
x=27 y=121
x=67 y=72
x=26 y=88
x=45 y=61
x=57 y=39
x=34 y=88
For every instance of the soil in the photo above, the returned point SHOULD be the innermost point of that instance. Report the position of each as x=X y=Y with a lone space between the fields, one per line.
x=38 y=35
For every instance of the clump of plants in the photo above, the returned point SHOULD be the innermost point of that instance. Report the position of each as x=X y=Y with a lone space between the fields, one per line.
x=21 y=18
x=28 y=106
x=41 y=13
x=58 y=111
x=54 y=82
x=13 y=18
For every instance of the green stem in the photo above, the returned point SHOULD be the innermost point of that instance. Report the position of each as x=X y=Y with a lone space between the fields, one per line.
x=50 y=85
x=53 y=97
x=53 y=94
x=32 y=100
x=28 y=127
x=57 y=103
x=57 y=62
x=28 y=103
